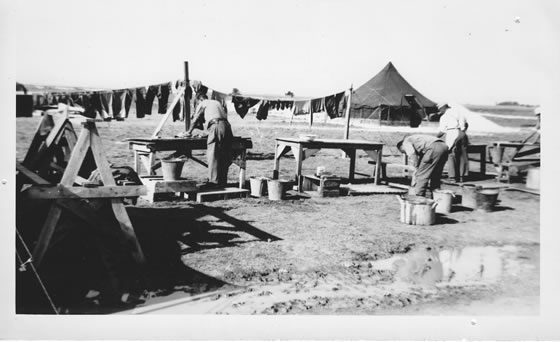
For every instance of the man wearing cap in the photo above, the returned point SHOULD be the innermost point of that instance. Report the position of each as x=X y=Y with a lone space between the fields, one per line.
x=453 y=125
x=219 y=139
x=428 y=155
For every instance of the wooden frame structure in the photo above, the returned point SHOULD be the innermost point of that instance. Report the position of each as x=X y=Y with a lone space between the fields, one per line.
x=67 y=196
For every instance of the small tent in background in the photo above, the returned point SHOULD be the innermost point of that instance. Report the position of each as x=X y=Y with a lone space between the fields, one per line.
x=389 y=98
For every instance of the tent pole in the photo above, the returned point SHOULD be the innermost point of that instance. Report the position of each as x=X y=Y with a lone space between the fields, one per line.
x=187 y=95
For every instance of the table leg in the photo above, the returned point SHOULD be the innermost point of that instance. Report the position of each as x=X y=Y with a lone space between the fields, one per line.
x=378 y=167
x=352 y=155
x=275 y=171
x=136 y=162
x=299 y=161
x=150 y=164
x=483 y=161
x=242 y=168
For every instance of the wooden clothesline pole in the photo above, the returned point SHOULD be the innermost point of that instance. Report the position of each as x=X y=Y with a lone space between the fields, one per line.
x=187 y=94
x=347 y=124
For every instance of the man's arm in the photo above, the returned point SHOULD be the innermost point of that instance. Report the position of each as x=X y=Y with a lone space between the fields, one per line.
x=411 y=153
x=198 y=114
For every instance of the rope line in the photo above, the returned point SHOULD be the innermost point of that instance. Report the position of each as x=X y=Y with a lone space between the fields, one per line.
x=30 y=261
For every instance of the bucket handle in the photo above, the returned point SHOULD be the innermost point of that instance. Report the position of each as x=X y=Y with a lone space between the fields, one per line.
x=434 y=205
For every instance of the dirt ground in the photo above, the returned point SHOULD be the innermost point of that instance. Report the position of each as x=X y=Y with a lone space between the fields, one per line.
x=309 y=255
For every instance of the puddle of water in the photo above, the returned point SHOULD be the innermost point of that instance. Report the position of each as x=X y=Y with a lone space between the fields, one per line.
x=470 y=264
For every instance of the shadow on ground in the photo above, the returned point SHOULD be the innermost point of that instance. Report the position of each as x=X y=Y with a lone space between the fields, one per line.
x=89 y=273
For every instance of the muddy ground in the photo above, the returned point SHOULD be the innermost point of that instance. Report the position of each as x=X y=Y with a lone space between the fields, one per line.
x=309 y=255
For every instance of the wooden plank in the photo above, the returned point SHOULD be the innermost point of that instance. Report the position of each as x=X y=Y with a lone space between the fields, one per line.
x=46 y=234
x=117 y=205
x=221 y=194
x=60 y=191
x=77 y=158
x=32 y=176
x=169 y=111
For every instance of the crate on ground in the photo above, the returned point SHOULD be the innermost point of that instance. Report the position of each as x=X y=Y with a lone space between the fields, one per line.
x=159 y=189
x=325 y=185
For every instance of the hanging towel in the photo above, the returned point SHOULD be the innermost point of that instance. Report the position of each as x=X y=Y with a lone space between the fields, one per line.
x=242 y=104
x=262 y=112
x=163 y=97
x=199 y=88
x=332 y=104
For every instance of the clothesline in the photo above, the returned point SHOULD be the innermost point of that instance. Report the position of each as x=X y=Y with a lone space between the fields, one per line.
x=116 y=103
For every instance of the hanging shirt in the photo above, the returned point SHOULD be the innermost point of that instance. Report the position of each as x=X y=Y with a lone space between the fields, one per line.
x=317 y=105
x=140 y=102
x=242 y=104
x=332 y=105
x=301 y=107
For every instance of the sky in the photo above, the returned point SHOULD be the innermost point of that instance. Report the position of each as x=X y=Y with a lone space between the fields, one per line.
x=479 y=52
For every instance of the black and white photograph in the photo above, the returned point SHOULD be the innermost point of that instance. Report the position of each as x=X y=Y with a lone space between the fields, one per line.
x=299 y=169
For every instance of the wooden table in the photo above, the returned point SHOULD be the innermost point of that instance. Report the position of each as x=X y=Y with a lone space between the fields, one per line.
x=522 y=154
x=471 y=148
x=303 y=149
x=145 y=150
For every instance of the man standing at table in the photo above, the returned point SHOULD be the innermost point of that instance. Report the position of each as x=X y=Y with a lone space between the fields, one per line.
x=453 y=125
x=428 y=155
x=219 y=140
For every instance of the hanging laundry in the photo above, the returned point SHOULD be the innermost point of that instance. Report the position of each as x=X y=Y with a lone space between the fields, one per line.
x=199 y=88
x=106 y=105
x=262 y=112
x=77 y=99
x=150 y=97
x=119 y=111
x=129 y=97
x=91 y=103
x=178 y=110
x=242 y=104
x=140 y=102
x=163 y=97
x=317 y=105
x=301 y=107
x=220 y=97
x=332 y=104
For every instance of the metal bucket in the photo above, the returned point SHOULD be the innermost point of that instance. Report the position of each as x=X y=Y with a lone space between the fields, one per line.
x=468 y=195
x=534 y=178
x=417 y=210
x=277 y=189
x=444 y=200
x=258 y=186
x=486 y=199
x=172 y=169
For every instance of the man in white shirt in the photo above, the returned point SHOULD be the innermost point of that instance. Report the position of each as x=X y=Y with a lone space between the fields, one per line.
x=453 y=125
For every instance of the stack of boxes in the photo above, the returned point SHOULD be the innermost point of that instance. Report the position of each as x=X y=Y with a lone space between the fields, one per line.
x=325 y=185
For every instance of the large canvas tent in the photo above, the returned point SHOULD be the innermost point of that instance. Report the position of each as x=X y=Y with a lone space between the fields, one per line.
x=389 y=98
